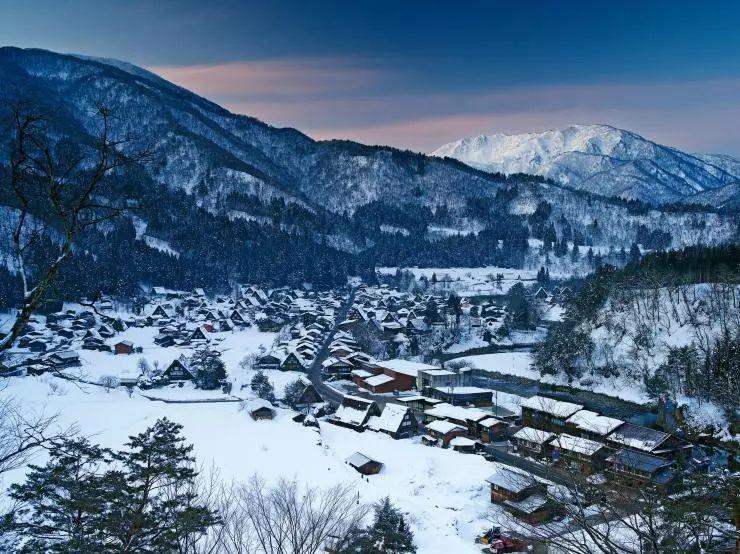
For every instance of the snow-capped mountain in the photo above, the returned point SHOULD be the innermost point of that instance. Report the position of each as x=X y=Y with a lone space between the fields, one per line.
x=286 y=208
x=599 y=159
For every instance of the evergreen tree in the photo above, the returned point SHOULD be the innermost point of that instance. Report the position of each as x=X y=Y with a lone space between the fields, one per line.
x=156 y=508
x=261 y=385
x=88 y=499
x=210 y=370
x=389 y=533
x=634 y=253
x=293 y=392
x=64 y=502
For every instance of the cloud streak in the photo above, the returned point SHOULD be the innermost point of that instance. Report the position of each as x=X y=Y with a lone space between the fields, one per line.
x=353 y=99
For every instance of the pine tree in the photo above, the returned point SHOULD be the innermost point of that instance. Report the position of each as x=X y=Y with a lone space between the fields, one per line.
x=293 y=392
x=261 y=385
x=64 y=501
x=210 y=370
x=389 y=533
x=156 y=507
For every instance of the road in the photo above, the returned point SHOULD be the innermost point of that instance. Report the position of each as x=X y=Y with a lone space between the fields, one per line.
x=326 y=392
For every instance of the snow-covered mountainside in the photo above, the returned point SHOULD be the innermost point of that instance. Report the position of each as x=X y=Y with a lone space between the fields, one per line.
x=599 y=159
x=287 y=208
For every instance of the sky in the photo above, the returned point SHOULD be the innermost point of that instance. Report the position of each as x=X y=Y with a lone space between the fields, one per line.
x=419 y=74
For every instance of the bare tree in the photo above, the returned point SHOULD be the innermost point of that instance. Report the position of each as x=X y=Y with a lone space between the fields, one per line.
x=57 y=190
x=598 y=519
x=290 y=519
x=22 y=432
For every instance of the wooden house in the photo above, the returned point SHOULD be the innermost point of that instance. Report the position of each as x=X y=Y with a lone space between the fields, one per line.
x=293 y=362
x=267 y=361
x=637 y=469
x=178 y=370
x=649 y=441
x=547 y=414
x=123 y=347
x=396 y=421
x=533 y=442
x=259 y=409
x=354 y=412
x=579 y=454
x=363 y=464
x=521 y=494
x=61 y=360
x=443 y=431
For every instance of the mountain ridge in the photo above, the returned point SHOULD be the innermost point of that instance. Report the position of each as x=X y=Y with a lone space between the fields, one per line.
x=598 y=158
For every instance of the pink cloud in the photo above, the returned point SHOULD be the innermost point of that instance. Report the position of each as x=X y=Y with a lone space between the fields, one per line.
x=339 y=98
x=294 y=76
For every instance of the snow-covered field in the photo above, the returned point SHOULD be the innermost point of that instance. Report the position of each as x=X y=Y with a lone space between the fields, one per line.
x=444 y=492
x=518 y=364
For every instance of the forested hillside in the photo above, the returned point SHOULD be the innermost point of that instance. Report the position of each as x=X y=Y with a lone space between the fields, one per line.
x=666 y=326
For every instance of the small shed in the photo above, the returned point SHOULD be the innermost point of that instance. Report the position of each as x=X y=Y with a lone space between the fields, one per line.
x=260 y=409
x=123 y=347
x=364 y=464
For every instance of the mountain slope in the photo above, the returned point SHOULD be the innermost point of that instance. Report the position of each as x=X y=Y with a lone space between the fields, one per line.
x=200 y=142
x=599 y=159
x=231 y=198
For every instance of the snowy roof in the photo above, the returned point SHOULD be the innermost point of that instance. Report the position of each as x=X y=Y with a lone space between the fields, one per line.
x=459 y=413
x=636 y=436
x=439 y=372
x=361 y=373
x=551 y=406
x=533 y=435
x=511 y=479
x=639 y=460
x=527 y=505
x=464 y=390
x=377 y=380
x=391 y=418
x=490 y=422
x=405 y=366
x=462 y=441
x=442 y=426
x=348 y=413
x=577 y=444
x=593 y=422
x=358 y=459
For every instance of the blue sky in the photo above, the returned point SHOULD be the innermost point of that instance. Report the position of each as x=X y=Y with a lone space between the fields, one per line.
x=416 y=74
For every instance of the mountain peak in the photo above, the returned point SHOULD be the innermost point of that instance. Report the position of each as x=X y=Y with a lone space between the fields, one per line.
x=598 y=158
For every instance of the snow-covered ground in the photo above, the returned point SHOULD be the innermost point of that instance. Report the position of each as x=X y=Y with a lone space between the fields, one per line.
x=518 y=364
x=444 y=492
x=470 y=281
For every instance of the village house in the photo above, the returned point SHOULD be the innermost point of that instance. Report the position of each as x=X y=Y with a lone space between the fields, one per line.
x=464 y=396
x=395 y=375
x=418 y=405
x=396 y=421
x=363 y=464
x=61 y=360
x=178 y=370
x=523 y=495
x=637 y=469
x=267 y=361
x=547 y=414
x=491 y=430
x=308 y=397
x=354 y=413
x=441 y=432
x=649 y=441
x=532 y=442
x=259 y=409
x=590 y=425
x=123 y=347
x=578 y=454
